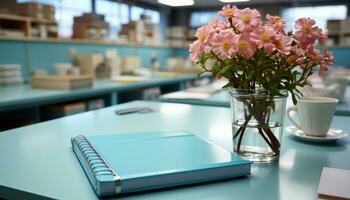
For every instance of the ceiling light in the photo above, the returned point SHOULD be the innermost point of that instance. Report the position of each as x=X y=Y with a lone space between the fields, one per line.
x=177 y=2
x=233 y=1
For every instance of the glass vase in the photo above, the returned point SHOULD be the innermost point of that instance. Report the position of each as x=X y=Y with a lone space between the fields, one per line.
x=257 y=123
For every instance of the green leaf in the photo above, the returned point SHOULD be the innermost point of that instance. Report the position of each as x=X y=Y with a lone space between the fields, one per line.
x=225 y=69
x=200 y=73
x=227 y=85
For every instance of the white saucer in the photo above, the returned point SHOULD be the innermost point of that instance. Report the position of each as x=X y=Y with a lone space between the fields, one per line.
x=332 y=135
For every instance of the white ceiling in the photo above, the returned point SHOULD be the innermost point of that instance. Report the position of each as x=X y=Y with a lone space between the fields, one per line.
x=214 y=3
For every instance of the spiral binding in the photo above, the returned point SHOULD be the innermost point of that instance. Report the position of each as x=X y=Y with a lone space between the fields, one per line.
x=97 y=163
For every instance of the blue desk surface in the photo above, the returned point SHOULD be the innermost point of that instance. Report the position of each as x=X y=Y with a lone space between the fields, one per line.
x=20 y=95
x=222 y=99
x=38 y=159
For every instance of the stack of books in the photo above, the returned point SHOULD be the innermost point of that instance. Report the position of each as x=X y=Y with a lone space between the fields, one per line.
x=90 y=26
x=10 y=74
x=143 y=31
x=61 y=82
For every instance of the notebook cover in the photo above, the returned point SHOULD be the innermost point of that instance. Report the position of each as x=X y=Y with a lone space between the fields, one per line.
x=334 y=184
x=135 y=162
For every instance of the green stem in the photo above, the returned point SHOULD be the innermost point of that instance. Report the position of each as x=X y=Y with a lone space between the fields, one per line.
x=265 y=130
x=275 y=145
x=270 y=143
x=272 y=136
x=237 y=132
x=243 y=127
x=240 y=132
x=240 y=140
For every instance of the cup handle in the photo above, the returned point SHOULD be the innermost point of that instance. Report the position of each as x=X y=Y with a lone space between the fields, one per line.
x=289 y=111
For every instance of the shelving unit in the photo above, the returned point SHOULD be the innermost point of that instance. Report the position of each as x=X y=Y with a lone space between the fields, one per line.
x=86 y=41
x=179 y=36
x=24 y=101
x=14 y=26
x=142 y=31
x=339 y=32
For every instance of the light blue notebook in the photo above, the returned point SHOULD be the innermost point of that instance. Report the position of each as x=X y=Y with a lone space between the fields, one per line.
x=126 y=163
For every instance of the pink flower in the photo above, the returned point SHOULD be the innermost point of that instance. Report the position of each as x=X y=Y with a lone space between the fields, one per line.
x=246 y=19
x=297 y=56
x=326 y=62
x=323 y=69
x=218 y=25
x=328 y=57
x=305 y=24
x=314 y=55
x=283 y=44
x=228 y=11
x=196 y=49
x=204 y=34
x=321 y=35
x=207 y=48
x=276 y=23
x=246 y=47
x=225 y=44
x=306 y=33
x=263 y=37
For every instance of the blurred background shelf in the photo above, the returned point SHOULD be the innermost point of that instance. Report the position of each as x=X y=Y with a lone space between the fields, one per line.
x=110 y=42
x=339 y=32
x=42 y=104
x=18 y=27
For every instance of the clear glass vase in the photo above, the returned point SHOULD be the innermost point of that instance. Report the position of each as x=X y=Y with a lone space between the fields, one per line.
x=257 y=123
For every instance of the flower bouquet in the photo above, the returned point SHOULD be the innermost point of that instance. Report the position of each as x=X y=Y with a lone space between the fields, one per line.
x=262 y=63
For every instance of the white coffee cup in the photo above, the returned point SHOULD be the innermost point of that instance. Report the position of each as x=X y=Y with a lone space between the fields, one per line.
x=315 y=115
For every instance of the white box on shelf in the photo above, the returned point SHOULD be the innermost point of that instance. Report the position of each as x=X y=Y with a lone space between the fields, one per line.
x=10 y=67
x=11 y=80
